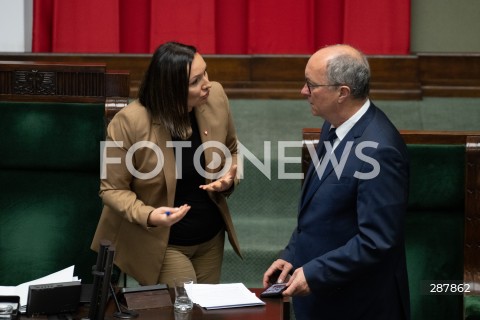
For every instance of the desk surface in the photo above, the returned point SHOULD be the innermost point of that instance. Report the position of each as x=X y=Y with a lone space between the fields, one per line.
x=274 y=309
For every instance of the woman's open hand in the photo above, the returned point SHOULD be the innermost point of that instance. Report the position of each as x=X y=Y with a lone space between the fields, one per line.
x=222 y=184
x=166 y=216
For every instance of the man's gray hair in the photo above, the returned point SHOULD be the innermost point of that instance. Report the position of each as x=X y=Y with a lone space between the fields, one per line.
x=346 y=69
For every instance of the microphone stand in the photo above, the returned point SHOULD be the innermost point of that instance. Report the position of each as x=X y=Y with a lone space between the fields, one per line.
x=120 y=314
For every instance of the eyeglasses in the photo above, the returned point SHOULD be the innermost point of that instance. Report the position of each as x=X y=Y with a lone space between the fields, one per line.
x=311 y=86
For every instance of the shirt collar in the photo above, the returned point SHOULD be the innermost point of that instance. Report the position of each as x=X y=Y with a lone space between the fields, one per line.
x=345 y=127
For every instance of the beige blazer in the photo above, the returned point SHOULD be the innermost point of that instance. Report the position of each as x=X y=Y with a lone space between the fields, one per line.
x=128 y=199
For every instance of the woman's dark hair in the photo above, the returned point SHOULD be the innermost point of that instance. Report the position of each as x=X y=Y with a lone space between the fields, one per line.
x=164 y=89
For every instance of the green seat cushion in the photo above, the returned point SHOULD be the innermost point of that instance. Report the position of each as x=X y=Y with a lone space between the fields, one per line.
x=472 y=307
x=48 y=222
x=434 y=242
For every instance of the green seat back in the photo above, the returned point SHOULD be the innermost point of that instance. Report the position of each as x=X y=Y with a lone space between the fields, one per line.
x=435 y=228
x=49 y=204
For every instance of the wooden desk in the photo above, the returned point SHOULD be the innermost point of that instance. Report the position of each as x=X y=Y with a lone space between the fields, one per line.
x=274 y=309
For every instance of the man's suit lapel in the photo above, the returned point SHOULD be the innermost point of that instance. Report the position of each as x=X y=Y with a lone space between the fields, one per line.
x=311 y=168
x=311 y=186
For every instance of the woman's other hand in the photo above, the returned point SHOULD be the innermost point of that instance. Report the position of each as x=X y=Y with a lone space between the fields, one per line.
x=222 y=184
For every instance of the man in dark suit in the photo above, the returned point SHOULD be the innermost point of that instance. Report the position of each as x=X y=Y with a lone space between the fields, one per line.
x=346 y=257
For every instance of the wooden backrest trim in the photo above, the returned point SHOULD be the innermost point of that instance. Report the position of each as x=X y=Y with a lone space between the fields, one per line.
x=42 y=81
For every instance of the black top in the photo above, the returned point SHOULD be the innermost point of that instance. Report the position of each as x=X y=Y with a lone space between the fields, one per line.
x=203 y=221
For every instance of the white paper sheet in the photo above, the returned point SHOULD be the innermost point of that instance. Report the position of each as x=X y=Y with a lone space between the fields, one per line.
x=65 y=275
x=220 y=296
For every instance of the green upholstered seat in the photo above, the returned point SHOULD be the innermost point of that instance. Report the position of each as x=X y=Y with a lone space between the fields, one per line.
x=49 y=204
x=437 y=177
x=472 y=307
x=435 y=228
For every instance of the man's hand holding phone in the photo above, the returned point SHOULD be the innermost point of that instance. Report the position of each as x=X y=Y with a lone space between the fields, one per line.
x=275 y=290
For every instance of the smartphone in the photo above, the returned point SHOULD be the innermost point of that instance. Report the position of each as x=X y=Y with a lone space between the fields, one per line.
x=275 y=290
x=274 y=277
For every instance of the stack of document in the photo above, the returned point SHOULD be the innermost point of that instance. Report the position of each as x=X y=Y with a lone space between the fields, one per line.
x=220 y=296
x=65 y=275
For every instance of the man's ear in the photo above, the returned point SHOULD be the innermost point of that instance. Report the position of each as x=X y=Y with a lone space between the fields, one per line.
x=343 y=93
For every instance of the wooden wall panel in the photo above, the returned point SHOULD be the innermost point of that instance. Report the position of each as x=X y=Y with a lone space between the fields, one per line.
x=406 y=77
x=450 y=75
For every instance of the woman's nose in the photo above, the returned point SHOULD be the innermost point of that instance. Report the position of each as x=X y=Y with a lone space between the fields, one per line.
x=207 y=85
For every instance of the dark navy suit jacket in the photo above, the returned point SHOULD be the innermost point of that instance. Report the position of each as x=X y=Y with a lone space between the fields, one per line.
x=350 y=233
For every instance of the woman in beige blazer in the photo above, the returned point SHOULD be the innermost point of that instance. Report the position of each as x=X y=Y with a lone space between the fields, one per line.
x=169 y=162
